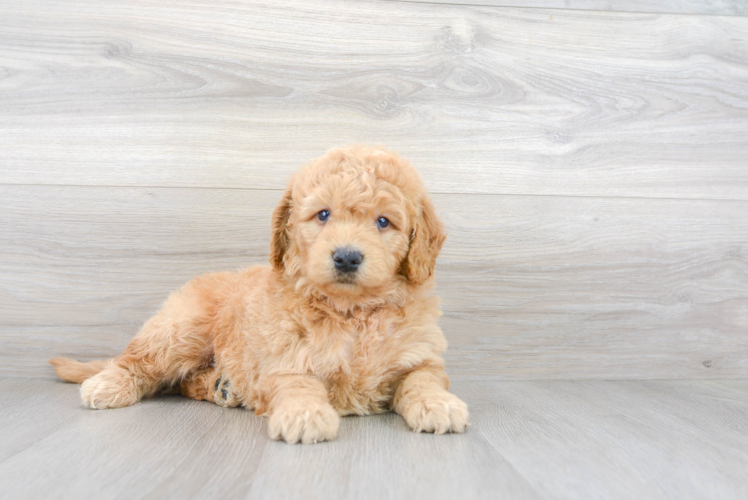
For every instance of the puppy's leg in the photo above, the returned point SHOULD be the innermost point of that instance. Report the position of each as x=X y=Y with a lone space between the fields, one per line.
x=170 y=346
x=208 y=385
x=149 y=364
x=299 y=409
x=426 y=405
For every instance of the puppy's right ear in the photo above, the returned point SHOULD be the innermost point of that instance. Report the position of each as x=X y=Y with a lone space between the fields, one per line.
x=279 y=239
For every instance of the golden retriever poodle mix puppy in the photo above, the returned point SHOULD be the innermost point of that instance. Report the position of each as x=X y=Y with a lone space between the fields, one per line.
x=341 y=323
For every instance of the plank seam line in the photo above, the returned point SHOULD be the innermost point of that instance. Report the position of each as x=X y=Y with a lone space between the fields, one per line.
x=506 y=460
x=562 y=9
x=433 y=192
x=35 y=442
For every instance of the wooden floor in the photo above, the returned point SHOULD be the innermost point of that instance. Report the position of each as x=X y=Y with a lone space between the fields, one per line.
x=534 y=439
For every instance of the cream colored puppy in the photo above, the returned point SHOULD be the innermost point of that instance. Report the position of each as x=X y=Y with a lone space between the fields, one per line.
x=341 y=323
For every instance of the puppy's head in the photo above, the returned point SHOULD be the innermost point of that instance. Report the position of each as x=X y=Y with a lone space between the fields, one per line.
x=356 y=221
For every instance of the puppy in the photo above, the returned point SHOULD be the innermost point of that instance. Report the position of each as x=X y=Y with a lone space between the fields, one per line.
x=341 y=323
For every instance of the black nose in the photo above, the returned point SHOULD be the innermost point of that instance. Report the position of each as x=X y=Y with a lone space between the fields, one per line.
x=347 y=260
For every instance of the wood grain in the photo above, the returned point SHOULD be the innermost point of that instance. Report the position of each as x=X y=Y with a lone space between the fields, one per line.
x=540 y=439
x=532 y=287
x=708 y=7
x=590 y=166
x=619 y=439
x=22 y=423
x=483 y=100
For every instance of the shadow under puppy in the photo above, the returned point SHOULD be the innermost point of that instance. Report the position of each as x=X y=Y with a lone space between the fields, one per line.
x=341 y=323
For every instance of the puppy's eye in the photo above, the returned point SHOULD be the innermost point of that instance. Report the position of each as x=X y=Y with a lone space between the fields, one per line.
x=323 y=215
x=382 y=222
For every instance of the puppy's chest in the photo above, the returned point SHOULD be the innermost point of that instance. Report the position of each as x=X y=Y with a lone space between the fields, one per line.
x=360 y=372
x=352 y=352
x=359 y=349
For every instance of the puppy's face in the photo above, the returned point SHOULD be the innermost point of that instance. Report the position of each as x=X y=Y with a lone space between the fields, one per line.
x=351 y=230
x=356 y=221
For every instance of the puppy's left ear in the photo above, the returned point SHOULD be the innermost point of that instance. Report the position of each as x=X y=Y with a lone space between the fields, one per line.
x=426 y=240
x=279 y=240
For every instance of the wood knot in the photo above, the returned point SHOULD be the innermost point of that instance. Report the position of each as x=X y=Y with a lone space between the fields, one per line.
x=459 y=37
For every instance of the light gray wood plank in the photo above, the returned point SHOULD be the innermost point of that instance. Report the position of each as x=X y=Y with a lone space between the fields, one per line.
x=708 y=7
x=485 y=100
x=531 y=287
x=539 y=439
x=21 y=421
x=166 y=446
x=380 y=457
x=616 y=439
x=171 y=447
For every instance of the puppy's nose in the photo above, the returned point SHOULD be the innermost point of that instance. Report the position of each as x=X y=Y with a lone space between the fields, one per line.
x=347 y=260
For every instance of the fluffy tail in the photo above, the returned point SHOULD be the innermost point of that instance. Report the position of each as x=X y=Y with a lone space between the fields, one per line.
x=74 y=371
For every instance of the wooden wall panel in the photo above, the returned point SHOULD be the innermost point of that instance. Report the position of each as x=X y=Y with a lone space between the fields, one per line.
x=532 y=287
x=591 y=167
x=483 y=100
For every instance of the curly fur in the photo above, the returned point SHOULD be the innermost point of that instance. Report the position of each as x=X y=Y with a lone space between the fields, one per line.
x=294 y=341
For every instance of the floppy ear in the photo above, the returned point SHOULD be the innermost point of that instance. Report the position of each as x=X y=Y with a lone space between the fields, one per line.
x=426 y=241
x=279 y=240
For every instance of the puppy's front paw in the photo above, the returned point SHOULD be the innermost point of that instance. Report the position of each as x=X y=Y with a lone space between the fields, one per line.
x=305 y=421
x=109 y=389
x=438 y=413
x=223 y=395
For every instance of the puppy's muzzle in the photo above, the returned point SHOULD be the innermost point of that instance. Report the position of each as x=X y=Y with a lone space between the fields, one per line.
x=347 y=259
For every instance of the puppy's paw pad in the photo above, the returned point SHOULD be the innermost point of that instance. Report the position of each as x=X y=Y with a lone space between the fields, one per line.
x=108 y=390
x=223 y=395
x=438 y=414
x=304 y=421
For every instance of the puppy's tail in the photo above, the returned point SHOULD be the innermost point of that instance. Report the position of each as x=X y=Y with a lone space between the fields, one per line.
x=74 y=371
